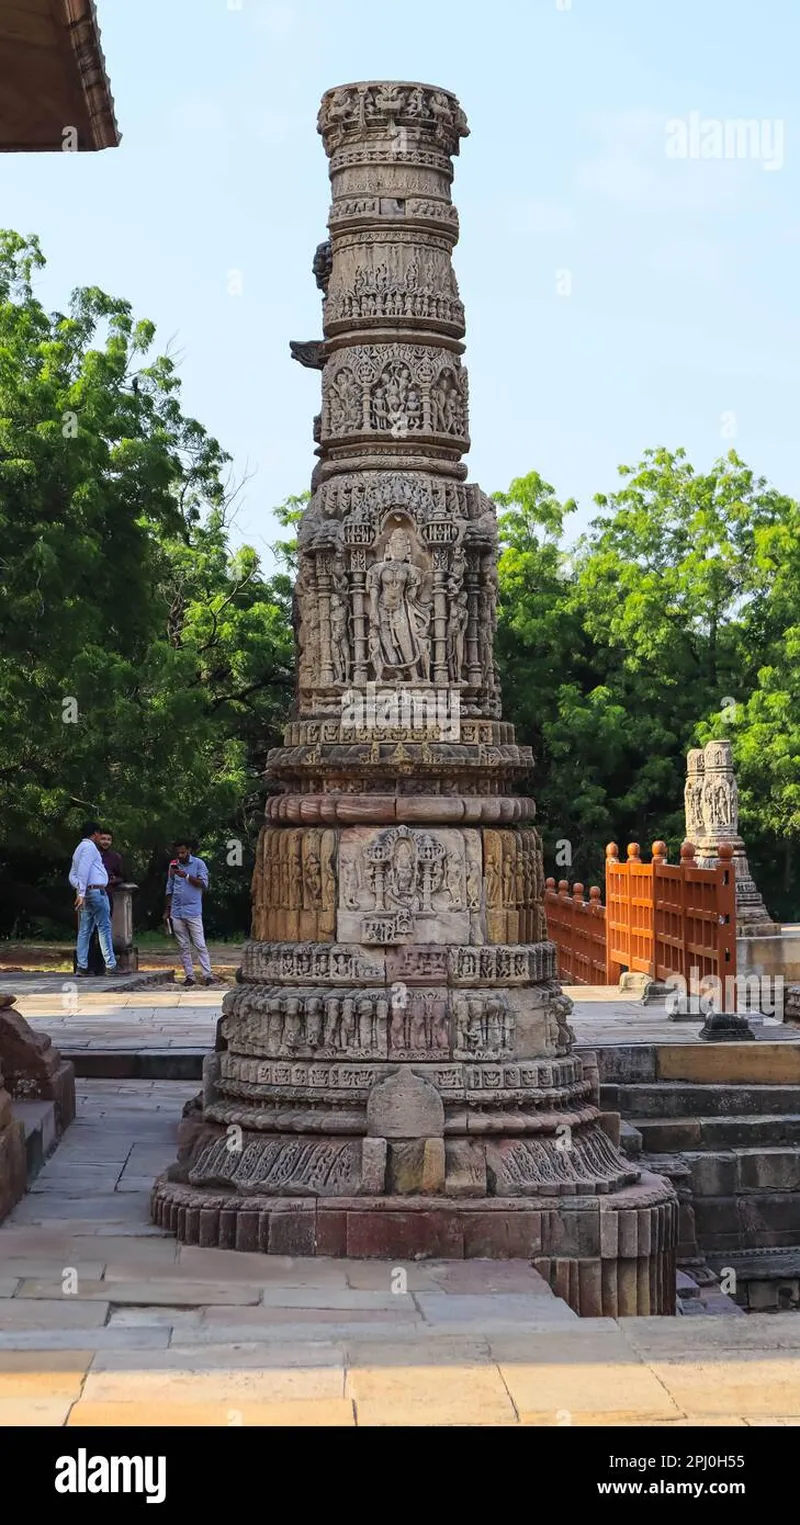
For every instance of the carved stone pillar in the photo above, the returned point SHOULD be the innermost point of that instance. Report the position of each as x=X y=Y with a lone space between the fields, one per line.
x=324 y=597
x=444 y=1066
x=440 y=672
x=712 y=817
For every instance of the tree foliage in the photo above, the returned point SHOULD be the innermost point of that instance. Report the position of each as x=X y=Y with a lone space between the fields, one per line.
x=145 y=665
x=671 y=622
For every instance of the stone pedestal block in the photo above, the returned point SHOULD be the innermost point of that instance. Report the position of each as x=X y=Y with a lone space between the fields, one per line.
x=33 y=1069
x=13 y=1167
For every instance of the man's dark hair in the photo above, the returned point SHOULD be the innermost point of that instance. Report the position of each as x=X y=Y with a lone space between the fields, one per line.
x=183 y=842
x=90 y=828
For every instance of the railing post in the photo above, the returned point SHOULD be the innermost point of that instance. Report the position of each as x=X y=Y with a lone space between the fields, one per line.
x=577 y=930
x=612 y=966
x=122 y=928
x=658 y=854
x=687 y=862
x=632 y=882
x=726 y=934
x=598 y=933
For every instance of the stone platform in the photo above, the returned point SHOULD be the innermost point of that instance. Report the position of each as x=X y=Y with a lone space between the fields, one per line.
x=603 y=1257
x=157 y=1333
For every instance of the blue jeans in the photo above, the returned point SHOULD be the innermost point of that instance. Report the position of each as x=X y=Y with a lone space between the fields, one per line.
x=95 y=913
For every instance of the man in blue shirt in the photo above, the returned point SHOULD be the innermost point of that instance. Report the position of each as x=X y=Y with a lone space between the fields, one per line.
x=186 y=881
x=89 y=880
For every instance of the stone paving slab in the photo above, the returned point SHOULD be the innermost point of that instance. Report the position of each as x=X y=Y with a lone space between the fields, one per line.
x=165 y=1334
x=84 y=1017
x=100 y=1339
x=151 y=1291
x=346 y=1300
x=34 y=1411
x=430 y=1395
x=266 y=1269
x=701 y=1335
x=623 y=1390
x=31 y=1382
x=58 y=1313
x=283 y=1331
x=515 y=1309
x=147 y=1316
x=741 y=1383
x=188 y=1381
x=293 y=1413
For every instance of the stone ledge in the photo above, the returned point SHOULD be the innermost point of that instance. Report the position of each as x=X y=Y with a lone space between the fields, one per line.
x=38 y=1121
x=604 y=1256
x=353 y=809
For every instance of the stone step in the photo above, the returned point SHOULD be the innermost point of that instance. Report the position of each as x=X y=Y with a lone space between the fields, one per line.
x=760 y=1265
x=136 y=1064
x=742 y=1222
x=671 y=1135
x=767 y=1062
x=720 y=1173
x=630 y=1139
x=676 y=1098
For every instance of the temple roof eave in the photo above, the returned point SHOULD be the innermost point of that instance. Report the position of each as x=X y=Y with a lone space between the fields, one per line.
x=54 y=78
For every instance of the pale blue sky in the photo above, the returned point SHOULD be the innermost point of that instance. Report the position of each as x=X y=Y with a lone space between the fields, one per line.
x=683 y=305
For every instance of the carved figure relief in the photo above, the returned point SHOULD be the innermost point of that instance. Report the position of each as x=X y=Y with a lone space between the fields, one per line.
x=403 y=883
x=720 y=803
x=390 y=292
x=344 y=403
x=403 y=390
x=302 y=1023
x=693 y=795
x=297 y=875
x=448 y=409
x=420 y=1025
x=396 y=403
x=711 y=794
x=399 y=612
x=484 y=1024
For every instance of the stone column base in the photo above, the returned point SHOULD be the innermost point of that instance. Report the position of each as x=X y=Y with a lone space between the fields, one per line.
x=608 y=1256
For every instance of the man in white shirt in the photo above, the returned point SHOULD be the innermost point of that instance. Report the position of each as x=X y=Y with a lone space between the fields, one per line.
x=89 y=880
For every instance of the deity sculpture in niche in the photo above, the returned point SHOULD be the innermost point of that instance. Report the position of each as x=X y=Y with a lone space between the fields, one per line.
x=399 y=613
x=344 y=402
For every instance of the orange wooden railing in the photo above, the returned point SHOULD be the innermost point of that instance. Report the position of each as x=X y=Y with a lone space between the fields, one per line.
x=578 y=929
x=659 y=919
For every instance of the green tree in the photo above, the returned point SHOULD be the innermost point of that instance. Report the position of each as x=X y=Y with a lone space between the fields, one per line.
x=145 y=666
x=672 y=620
